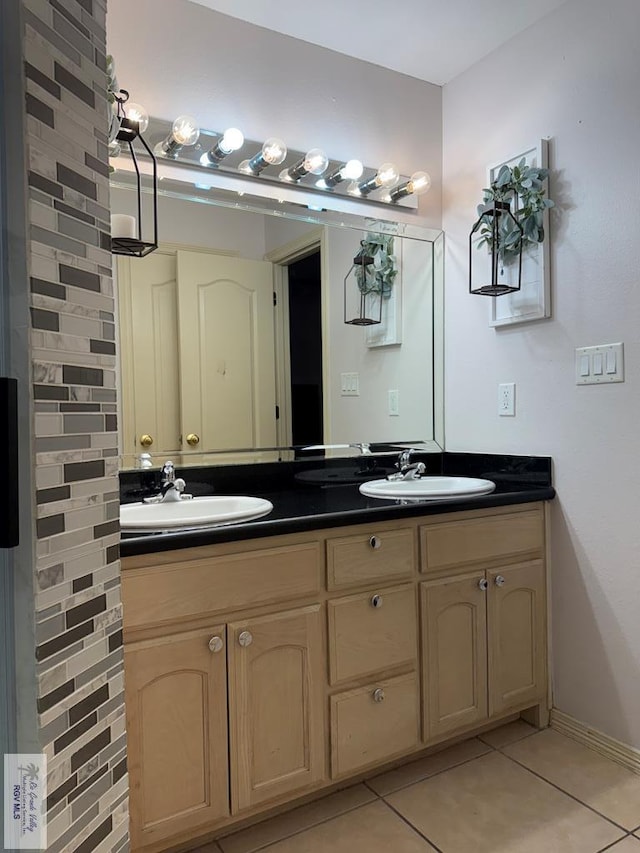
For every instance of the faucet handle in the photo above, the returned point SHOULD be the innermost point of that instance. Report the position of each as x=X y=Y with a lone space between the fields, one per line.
x=404 y=458
x=168 y=471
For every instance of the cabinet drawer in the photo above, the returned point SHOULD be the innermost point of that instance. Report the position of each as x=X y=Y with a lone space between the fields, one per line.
x=216 y=584
x=367 y=556
x=371 y=632
x=365 y=731
x=478 y=540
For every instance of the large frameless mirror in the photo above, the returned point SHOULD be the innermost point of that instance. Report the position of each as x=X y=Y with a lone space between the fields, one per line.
x=232 y=336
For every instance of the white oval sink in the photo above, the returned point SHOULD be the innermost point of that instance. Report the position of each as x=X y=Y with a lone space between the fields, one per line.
x=427 y=488
x=187 y=514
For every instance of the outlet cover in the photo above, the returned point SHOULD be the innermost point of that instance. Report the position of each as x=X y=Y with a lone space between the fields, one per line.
x=507 y=399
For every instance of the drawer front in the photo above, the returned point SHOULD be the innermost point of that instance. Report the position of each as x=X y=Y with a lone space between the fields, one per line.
x=218 y=584
x=354 y=560
x=478 y=540
x=366 y=732
x=371 y=632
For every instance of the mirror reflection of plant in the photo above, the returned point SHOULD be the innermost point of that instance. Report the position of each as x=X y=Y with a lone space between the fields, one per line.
x=378 y=277
x=522 y=186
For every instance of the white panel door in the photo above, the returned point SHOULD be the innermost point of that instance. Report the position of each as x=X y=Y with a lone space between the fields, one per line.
x=227 y=351
x=148 y=308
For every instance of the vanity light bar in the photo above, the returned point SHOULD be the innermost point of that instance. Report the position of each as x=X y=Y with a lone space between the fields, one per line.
x=184 y=143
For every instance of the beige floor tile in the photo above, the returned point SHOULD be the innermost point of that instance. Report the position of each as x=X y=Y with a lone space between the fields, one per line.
x=607 y=787
x=509 y=733
x=277 y=828
x=425 y=767
x=370 y=829
x=627 y=845
x=492 y=805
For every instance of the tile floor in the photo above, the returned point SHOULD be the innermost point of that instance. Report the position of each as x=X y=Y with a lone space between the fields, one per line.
x=512 y=790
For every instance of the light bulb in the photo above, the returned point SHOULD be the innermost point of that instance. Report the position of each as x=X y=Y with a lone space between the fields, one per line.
x=352 y=170
x=232 y=140
x=315 y=161
x=137 y=113
x=419 y=183
x=387 y=175
x=185 y=131
x=274 y=151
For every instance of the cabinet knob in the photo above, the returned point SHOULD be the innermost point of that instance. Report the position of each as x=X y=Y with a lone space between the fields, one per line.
x=146 y=440
x=376 y=600
x=378 y=695
x=193 y=440
x=216 y=644
x=245 y=639
x=500 y=581
x=483 y=583
x=375 y=542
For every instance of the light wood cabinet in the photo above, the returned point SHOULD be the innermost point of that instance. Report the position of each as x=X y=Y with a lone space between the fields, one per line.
x=424 y=629
x=276 y=676
x=516 y=605
x=454 y=620
x=484 y=645
x=176 y=701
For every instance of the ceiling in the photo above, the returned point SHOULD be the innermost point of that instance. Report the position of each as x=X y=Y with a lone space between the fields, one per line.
x=433 y=40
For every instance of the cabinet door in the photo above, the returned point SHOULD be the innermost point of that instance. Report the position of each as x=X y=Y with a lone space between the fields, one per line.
x=517 y=636
x=227 y=351
x=176 y=699
x=276 y=678
x=455 y=653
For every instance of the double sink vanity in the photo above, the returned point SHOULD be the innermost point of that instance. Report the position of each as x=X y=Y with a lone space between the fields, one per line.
x=272 y=660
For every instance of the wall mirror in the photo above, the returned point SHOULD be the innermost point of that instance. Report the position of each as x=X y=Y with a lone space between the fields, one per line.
x=232 y=340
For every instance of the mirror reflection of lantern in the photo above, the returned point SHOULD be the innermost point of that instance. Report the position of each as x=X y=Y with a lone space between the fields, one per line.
x=362 y=296
x=501 y=232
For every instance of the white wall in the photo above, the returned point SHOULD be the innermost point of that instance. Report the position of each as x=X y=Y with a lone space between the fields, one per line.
x=190 y=223
x=183 y=58
x=573 y=78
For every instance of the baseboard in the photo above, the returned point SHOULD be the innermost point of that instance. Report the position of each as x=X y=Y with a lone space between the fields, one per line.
x=609 y=747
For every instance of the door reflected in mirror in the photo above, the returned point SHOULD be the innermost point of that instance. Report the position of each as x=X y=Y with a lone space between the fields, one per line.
x=233 y=345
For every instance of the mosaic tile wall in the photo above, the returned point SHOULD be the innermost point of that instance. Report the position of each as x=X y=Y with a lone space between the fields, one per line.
x=78 y=608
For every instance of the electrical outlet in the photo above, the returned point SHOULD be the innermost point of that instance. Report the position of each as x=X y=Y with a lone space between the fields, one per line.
x=507 y=400
x=394 y=403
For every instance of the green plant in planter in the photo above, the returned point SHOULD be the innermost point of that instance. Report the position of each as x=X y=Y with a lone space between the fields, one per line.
x=385 y=266
x=523 y=187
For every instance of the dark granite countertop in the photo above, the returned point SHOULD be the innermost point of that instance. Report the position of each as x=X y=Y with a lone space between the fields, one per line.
x=316 y=494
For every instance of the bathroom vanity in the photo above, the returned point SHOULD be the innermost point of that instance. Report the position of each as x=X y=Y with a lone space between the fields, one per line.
x=270 y=661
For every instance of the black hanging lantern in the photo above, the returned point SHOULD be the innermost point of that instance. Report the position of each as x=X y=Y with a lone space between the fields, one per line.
x=362 y=296
x=501 y=232
x=129 y=133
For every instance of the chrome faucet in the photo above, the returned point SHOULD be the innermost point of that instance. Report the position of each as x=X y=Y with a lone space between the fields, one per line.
x=408 y=470
x=171 y=487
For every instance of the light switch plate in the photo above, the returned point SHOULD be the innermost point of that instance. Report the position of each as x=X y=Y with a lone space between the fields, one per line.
x=349 y=384
x=600 y=365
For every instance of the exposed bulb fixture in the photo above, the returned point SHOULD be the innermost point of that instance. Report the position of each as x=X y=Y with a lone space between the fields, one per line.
x=314 y=162
x=137 y=113
x=386 y=176
x=350 y=171
x=184 y=133
x=418 y=183
x=231 y=140
x=272 y=153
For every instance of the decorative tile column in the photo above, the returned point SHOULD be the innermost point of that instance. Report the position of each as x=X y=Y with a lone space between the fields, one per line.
x=72 y=345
